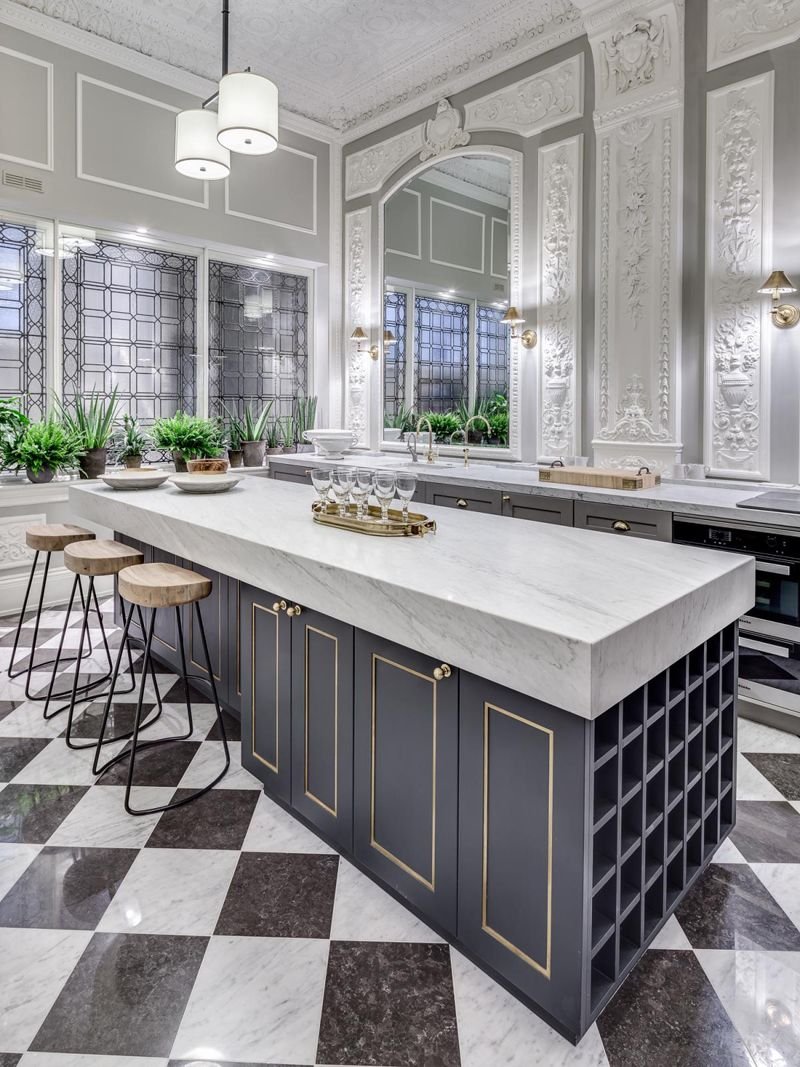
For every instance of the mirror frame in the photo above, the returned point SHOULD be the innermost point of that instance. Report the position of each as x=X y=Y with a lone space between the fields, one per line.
x=515 y=298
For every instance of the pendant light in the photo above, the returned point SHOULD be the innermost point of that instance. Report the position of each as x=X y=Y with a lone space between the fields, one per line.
x=246 y=121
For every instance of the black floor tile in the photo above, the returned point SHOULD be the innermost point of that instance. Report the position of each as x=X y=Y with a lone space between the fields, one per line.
x=389 y=1003
x=163 y=765
x=233 y=729
x=728 y=907
x=6 y=707
x=767 y=831
x=782 y=769
x=217 y=1063
x=66 y=888
x=125 y=997
x=46 y=633
x=667 y=1015
x=218 y=819
x=31 y=813
x=87 y=722
x=17 y=752
x=10 y=1059
x=65 y=680
x=277 y=894
x=176 y=694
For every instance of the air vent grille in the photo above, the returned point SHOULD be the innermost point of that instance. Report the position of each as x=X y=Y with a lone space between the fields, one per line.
x=22 y=181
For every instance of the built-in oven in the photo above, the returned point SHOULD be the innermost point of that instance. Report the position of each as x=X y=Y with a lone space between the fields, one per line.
x=769 y=635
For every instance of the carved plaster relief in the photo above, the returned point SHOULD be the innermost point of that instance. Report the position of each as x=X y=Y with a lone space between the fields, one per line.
x=532 y=105
x=366 y=171
x=560 y=195
x=357 y=236
x=443 y=132
x=738 y=248
x=740 y=28
x=13 y=549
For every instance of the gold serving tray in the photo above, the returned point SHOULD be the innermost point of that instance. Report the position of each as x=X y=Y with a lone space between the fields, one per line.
x=417 y=525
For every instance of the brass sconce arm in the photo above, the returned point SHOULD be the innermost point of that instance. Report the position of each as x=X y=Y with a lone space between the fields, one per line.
x=784 y=316
x=513 y=319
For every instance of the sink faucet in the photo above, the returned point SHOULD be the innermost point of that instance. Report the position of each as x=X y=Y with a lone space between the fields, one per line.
x=412 y=448
x=429 y=456
x=463 y=434
x=465 y=431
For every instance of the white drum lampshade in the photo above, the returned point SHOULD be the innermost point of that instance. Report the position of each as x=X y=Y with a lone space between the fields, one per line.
x=198 y=153
x=247 y=114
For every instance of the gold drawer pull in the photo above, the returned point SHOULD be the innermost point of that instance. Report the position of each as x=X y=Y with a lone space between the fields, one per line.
x=294 y=611
x=440 y=673
x=506 y=498
x=462 y=503
x=621 y=525
x=279 y=605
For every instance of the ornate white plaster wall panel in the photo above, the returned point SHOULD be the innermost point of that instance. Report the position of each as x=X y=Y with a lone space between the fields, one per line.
x=532 y=105
x=638 y=54
x=366 y=171
x=13 y=550
x=358 y=312
x=740 y=28
x=444 y=132
x=738 y=250
x=559 y=273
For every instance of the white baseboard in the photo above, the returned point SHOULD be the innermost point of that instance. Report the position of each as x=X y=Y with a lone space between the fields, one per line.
x=59 y=583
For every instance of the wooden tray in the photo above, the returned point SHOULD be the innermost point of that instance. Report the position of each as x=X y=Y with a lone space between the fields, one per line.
x=599 y=478
x=417 y=526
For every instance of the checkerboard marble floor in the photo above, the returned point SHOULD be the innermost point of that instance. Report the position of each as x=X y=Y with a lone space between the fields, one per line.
x=226 y=933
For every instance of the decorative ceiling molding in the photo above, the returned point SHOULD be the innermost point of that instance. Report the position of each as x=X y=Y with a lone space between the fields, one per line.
x=535 y=104
x=366 y=171
x=323 y=57
x=737 y=29
x=443 y=132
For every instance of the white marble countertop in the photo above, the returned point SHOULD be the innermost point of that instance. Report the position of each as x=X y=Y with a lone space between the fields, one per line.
x=572 y=617
x=703 y=498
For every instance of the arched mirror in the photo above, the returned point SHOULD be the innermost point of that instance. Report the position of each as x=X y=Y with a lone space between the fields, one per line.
x=447 y=352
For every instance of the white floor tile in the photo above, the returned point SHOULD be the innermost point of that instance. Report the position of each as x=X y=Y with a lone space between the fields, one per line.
x=728 y=853
x=755 y=737
x=100 y=820
x=362 y=911
x=672 y=936
x=34 y=964
x=27 y=721
x=783 y=882
x=59 y=765
x=273 y=830
x=258 y=1000
x=171 y=891
x=66 y=1059
x=14 y=859
x=495 y=1030
x=751 y=784
x=209 y=761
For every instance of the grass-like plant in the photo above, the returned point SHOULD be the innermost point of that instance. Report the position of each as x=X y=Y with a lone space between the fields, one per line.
x=40 y=446
x=403 y=419
x=305 y=415
x=286 y=430
x=12 y=419
x=133 y=441
x=92 y=421
x=192 y=436
x=254 y=422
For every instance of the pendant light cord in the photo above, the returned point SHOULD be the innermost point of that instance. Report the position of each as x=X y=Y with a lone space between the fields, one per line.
x=226 y=14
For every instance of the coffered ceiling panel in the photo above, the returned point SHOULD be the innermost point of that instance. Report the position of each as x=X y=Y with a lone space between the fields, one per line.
x=350 y=64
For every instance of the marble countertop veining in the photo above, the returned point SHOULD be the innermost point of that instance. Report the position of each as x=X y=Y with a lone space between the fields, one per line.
x=702 y=498
x=572 y=617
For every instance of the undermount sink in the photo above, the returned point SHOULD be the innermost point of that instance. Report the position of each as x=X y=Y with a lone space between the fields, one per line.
x=424 y=465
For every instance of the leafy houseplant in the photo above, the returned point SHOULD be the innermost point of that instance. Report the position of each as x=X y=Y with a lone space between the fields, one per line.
x=92 y=424
x=235 y=438
x=12 y=420
x=43 y=449
x=443 y=424
x=465 y=412
x=187 y=437
x=133 y=442
x=305 y=415
x=253 y=431
x=396 y=425
x=273 y=441
x=286 y=432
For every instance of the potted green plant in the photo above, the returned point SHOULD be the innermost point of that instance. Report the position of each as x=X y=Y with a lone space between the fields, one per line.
x=443 y=423
x=92 y=423
x=133 y=442
x=272 y=440
x=235 y=436
x=305 y=415
x=480 y=407
x=394 y=426
x=286 y=433
x=42 y=449
x=12 y=419
x=254 y=424
x=187 y=437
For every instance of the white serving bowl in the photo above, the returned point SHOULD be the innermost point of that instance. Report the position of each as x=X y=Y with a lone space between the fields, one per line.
x=330 y=443
x=205 y=483
x=138 y=478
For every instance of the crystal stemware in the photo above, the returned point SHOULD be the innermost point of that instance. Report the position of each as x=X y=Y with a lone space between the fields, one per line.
x=384 y=490
x=406 y=485
x=321 y=480
x=362 y=487
x=342 y=485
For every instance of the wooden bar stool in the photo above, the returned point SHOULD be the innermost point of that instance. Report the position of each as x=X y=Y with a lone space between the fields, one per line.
x=96 y=559
x=47 y=538
x=155 y=586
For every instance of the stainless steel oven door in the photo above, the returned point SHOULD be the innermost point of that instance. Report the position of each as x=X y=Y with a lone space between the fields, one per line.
x=769 y=671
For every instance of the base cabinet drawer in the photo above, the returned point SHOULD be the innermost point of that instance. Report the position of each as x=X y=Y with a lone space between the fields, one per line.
x=322 y=724
x=266 y=680
x=290 y=472
x=453 y=496
x=406 y=774
x=632 y=522
x=538 y=508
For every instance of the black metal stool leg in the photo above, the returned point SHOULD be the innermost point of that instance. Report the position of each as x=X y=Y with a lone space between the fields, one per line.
x=24 y=609
x=47 y=714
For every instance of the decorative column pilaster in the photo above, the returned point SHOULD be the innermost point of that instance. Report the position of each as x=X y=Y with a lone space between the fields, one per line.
x=358 y=312
x=638 y=60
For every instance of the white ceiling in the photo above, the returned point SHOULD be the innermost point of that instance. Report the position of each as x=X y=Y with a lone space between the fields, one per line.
x=349 y=64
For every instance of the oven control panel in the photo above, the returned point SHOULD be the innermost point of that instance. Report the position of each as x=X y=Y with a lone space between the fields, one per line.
x=752 y=542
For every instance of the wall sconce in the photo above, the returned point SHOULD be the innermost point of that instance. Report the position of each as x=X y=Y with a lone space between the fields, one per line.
x=783 y=316
x=513 y=319
x=358 y=337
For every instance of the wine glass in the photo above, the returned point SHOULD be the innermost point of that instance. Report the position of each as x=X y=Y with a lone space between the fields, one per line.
x=406 y=485
x=321 y=480
x=384 y=491
x=342 y=485
x=362 y=487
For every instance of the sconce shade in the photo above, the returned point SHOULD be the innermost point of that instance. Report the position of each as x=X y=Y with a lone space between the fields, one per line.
x=389 y=338
x=777 y=283
x=358 y=335
x=247 y=114
x=198 y=154
x=512 y=317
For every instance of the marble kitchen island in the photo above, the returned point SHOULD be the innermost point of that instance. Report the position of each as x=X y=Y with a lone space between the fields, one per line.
x=526 y=732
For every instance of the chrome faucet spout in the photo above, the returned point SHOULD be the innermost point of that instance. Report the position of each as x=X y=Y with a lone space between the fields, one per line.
x=412 y=448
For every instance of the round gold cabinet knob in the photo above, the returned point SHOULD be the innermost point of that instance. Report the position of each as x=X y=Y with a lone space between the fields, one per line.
x=295 y=610
x=440 y=673
x=462 y=503
x=279 y=605
x=621 y=526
